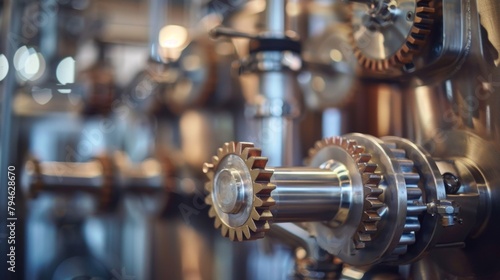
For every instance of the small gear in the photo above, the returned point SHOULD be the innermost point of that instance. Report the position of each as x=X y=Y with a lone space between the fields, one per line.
x=387 y=38
x=371 y=179
x=241 y=207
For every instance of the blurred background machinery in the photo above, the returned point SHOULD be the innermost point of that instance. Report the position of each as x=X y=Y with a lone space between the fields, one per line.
x=140 y=130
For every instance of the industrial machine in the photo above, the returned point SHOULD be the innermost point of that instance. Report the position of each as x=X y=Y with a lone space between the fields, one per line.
x=259 y=139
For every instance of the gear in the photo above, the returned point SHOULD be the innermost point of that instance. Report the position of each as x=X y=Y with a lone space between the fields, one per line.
x=371 y=180
x=391 y=32
x=414 y=197
x=239 y=195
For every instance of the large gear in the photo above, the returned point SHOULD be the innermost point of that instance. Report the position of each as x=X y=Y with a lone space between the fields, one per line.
x=244 y=225
x=371 y=180
x=391 y=32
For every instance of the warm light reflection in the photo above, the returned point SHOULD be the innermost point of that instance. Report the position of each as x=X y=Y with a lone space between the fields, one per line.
x=293 y=9
x=336 y=55
x=173 y=36
x=255 y=6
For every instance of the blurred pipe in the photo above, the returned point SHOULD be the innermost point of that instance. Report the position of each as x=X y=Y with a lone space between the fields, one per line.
x=11 y=24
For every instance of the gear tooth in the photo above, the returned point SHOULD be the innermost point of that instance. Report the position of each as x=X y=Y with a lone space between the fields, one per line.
x=421 y=20
x=266 y=226
x=413 y=193
x=406 y=165
x=208 y=186
x=208 y=200
x=363 y=237
x=371 y=216
x=407 y=238
x=263 y=188
x=364 y=157
x=241 y=146
x=412 y=224
x=207 y=167
x=367 y=167
x=215 y=160
x=359 y=244
x=232 y=147
x=372 y=190
x=386 y=64
x=256 y=162
x=224 y=230
x=251 y=225
x=265 y=201
x=415 y=41
x=412 y=178
x=368 y=228
x=217 y=222
x=398 y=153
x=266 y=215
x=261 y=175
x=371 y=178
x=251 y=152
x=357 y=149
x=211 y=211
x=232 y=234
x=257 y=202
x=210 y=175
x=239 y=234
x=420 y=31
x=246 y=232
x=373 y=203
x=255 y=215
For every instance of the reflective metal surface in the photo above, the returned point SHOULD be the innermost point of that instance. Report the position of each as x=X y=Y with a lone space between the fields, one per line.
x=109 y=109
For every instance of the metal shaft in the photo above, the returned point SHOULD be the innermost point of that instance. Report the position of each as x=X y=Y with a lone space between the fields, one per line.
x=67 y=176
x=305 y=194
x=275 y=12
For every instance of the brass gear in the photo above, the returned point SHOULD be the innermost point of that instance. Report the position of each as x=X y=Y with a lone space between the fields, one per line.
x=371 y=179
x=256 y=223
x=422 y=20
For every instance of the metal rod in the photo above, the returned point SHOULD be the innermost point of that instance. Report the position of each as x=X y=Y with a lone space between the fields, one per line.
x=276 y=19
x=305 y=194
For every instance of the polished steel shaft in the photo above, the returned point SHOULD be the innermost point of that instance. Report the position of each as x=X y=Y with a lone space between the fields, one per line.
x=305 y=194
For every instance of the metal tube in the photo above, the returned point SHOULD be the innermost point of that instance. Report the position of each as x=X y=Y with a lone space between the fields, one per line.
x=65 y=176
x=305 y=194
x=275 y=13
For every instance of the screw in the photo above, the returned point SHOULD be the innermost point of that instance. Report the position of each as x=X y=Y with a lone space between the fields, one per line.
x=451 y=183
x=409 y=16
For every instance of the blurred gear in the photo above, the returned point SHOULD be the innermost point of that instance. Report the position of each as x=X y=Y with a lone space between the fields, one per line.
x=389 y=33
x=241 y=189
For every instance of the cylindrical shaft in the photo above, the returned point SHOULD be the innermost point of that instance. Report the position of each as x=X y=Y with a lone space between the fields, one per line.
x=67 y=176
x=276 y=19
x=305 y=194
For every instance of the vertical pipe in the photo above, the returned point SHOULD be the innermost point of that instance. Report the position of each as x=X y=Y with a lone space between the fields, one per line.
x=11 y=16
x=276 y=16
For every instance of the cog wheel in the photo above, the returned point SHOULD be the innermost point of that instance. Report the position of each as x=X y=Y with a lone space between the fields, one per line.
x=371 y=179
x=239 y=191
x=414 y=199
x=390 y=33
